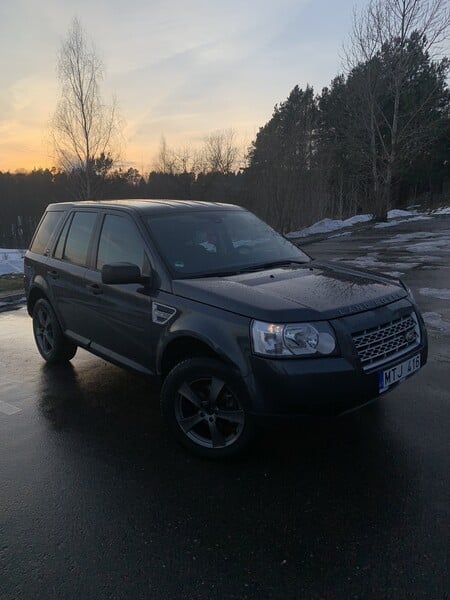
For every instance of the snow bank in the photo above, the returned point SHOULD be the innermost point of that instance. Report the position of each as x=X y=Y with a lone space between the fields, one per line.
x=442 y=211
x=397 y=212
x=11 y=261
x=327 y=225
x=395 y=217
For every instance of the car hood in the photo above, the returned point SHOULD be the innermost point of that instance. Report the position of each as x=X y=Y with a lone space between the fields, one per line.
x=311 y=291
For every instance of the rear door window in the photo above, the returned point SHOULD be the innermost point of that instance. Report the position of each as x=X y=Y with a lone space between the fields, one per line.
x=59 y=250
x=45 y=231
x=79 y=237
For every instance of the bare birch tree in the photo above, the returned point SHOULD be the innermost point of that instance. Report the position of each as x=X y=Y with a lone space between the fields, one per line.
x=175 y=161
x=379 y=48
x=166 y=160
x=84 y=130
x=221 y=152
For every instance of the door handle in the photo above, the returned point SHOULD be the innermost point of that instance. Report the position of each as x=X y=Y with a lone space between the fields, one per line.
x=95 y=288
x=53 y=274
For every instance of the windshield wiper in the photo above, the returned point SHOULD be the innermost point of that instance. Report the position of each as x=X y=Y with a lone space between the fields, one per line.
x=215 y=274
x=273 y=264
x=249 y=269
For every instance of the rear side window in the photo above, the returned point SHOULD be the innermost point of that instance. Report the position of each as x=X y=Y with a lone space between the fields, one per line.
x=59 y=250
x=46 y=228
x=79 y=237
x=120 y=241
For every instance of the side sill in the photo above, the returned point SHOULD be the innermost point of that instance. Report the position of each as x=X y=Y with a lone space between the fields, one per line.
x=78 y=339
x=118 y=359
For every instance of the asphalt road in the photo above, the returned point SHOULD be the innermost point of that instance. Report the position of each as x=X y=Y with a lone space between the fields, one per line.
x=97 y=502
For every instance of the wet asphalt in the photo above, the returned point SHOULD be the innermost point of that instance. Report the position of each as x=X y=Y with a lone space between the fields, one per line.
x=97 y=502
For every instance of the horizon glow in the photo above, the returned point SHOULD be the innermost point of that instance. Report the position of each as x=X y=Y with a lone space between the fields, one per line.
x=181 y=72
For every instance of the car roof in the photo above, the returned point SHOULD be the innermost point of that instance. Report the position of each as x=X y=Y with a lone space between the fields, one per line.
x=147 y=206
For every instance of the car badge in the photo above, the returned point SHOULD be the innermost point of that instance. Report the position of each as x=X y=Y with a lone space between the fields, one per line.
x=410 y=336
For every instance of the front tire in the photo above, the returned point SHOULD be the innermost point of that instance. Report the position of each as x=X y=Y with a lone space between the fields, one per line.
x=53 y=346
x=205 y=406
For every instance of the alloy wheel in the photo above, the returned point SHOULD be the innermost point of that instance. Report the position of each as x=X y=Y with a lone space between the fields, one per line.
x=43 y=329
x=209 y=413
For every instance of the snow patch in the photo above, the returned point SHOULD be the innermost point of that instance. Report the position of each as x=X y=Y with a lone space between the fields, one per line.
x=430 y=246
x=442 y=294
x=327 y=225
x=397 y=212
x=11 y=261
x=442 y=211
x=372 y=262
x=336 y=235
x=435 y=321
x=395 y=217
x=365 y=262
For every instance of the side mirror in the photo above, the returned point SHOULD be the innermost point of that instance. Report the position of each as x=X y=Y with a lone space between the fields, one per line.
x=116 y=273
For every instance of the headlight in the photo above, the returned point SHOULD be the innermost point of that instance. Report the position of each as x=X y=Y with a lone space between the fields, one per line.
x=296 y=339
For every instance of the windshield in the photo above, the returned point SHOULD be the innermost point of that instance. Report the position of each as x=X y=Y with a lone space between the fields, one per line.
x=206 y=243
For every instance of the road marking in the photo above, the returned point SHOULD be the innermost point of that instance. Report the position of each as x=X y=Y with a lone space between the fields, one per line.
x=8 y=409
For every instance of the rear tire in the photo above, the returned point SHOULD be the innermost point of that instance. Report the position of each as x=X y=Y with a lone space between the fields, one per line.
x=52 y=344
x=205 y=405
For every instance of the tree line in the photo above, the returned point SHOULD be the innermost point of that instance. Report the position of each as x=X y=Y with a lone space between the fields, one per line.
x=377 y=137
x=24 y=196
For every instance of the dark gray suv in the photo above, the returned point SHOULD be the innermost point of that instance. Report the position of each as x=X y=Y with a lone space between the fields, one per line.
x=238 y=322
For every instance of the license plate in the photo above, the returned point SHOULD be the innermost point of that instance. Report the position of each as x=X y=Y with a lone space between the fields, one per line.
x=398 y=373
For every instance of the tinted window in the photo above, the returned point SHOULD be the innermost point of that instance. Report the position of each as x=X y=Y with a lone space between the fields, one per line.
x=120 y=241
x=46 y=228
x=206 y=242
x=59 y=250
x=80 y=233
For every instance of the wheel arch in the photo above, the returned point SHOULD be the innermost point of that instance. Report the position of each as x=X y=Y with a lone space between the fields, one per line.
x=36 y=292
x=187 y=345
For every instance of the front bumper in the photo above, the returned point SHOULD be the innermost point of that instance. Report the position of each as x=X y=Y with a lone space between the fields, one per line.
x=315 y=387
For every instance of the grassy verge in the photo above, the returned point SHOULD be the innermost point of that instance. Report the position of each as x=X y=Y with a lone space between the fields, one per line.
x=11 y=283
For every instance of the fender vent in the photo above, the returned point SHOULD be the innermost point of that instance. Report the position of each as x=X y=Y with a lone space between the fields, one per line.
x=162 y=313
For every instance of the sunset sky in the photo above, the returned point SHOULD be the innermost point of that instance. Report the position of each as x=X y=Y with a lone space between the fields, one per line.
x=179 y=69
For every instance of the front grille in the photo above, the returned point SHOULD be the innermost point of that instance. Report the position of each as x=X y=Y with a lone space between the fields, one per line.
x=385 y=342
